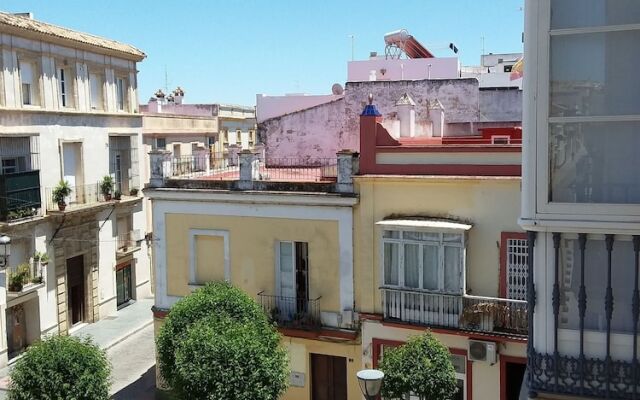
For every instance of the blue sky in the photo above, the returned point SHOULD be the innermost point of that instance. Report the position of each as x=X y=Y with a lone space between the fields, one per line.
x=227 y=51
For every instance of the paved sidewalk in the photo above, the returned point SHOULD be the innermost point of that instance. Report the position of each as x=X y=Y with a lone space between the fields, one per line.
x=107 y=332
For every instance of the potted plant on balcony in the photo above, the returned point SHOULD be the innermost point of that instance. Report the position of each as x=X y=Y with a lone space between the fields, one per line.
x=133 y=192
x=18 y=278
x=117 y=195
x=60 y=193
x=106 y=187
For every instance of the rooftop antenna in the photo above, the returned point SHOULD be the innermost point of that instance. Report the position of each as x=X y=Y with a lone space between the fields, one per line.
x=166 y=79
x=482 y=38
x=353 y=39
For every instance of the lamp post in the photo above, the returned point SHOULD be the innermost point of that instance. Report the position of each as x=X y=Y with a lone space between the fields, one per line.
x=5 y=250
x=370 y=381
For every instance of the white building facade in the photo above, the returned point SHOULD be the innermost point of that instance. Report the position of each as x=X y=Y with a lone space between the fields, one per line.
x=580 y=197
x=69 y=113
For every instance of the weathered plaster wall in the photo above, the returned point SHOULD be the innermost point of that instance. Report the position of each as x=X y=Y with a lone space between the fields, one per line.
x=315 y=132
x=500 y=105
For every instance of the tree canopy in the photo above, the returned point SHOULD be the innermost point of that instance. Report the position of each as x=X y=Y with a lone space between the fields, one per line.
x=421 y=366
x=61 y=367
x=217 y=343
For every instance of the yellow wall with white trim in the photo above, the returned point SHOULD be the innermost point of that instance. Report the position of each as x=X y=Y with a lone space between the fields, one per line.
x=491 y=205
x=252 y=255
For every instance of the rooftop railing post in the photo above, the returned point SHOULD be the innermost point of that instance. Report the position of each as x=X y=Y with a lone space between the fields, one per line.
x=346 y=162
x=160 y=167
x=246 y=158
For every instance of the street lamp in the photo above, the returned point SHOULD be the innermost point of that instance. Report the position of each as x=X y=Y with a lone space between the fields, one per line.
x=5 y=249
x=370 y=381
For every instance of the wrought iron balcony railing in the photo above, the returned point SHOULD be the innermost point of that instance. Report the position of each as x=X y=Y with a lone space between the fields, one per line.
x=292 y=312
x=19 y=195
x=594 y=295
x=128 y=241
x=474 y=313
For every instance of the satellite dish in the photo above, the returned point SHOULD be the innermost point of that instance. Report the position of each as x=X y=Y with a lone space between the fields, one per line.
x=337 y=89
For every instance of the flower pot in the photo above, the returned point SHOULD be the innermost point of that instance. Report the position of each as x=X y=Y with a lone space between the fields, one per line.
x=15 y=287
x=107 y=196
x=62 y=205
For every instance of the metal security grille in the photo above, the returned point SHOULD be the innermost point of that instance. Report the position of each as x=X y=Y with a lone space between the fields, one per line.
x=517 y=256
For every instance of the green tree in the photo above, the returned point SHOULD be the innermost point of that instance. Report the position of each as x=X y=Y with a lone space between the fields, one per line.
x=61 y=367
x=218 y=343
x=421 y=366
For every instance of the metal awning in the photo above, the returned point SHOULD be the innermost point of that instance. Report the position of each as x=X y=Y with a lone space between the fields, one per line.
x=435 y=224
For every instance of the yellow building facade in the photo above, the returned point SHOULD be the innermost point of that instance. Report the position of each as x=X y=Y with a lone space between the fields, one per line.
x=246 y=239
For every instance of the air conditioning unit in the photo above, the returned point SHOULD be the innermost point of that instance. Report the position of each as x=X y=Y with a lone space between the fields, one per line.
x=483 y=351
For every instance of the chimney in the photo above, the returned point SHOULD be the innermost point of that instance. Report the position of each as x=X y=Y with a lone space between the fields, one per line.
x=28 y=15
x=406 y=115
x=369 y=120
x=178 y=95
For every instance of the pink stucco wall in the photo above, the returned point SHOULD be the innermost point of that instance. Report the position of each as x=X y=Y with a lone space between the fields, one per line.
x=411 y=69
x=274 y=106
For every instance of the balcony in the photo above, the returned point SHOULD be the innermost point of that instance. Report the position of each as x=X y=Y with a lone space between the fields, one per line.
x=19 y=195
x=471 y=313
x=589 y=346
x=24 y=278
x=291 y=312
x=128 y=242
x=82 y=196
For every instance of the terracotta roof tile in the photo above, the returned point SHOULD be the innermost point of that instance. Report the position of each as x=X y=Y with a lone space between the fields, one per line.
x=44 y=28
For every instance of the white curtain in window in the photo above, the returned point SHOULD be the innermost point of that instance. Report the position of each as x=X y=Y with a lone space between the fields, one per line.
x=452 y=262
x=391 y=264
x=412 y=265
x=431 y=267
x=95 y=88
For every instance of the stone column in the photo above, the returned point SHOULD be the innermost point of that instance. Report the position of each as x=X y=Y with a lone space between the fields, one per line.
x=160 y=167
x=246 y=159
x=345 y=171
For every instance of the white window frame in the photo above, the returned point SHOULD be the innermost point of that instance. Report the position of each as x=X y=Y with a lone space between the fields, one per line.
x=122 y=89
x=67 y=96
x=193 y=262
x=539 y=78
x=35 y=97
x=441 y=246
x=100 y=106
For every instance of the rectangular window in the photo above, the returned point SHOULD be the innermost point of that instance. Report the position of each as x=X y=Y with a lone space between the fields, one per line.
x=594 y=107
x=28 y=81
x=161 y=143
x=96 y=84
x=423 y=260
x=121 y=94
x=65 y=87
x=514 y=262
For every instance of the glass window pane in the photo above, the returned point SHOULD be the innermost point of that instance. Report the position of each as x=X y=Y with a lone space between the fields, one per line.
x=391 y=264
x=453 y=237
x=584 y=13
x=595 y=162
x=412 y=265
x=452 y=263
x=430 y=268
x=391 y=234
x=459 y=363
x=591 y=74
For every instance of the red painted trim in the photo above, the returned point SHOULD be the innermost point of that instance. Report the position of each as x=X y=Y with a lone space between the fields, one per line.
x=316 y=335
x=445 y=169
x=451 y=148
x=377 y=344
x=502 y=280
x=503 y=372
x=124 y=265
x=467 y=334
x=160 y=314
x=371 y=317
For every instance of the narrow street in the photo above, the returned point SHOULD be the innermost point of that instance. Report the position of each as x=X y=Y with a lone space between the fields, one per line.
x=133 y=362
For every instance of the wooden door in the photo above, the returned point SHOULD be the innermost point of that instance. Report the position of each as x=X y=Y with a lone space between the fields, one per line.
x=328 y=377
x=75 y=290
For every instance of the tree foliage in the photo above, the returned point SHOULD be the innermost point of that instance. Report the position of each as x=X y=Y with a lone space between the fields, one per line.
x=61 y=367
x=421 y=366
x=218 y=343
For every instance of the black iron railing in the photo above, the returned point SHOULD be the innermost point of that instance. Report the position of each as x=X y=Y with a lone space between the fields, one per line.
x=19 y=195
x=474 y=313
x=573 y=305
x=292 y=312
